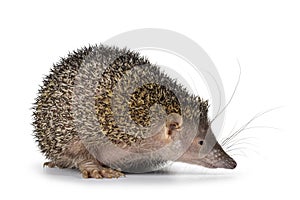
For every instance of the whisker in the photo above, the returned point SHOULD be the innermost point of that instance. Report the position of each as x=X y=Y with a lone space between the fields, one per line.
x=234 y=91
x=224 y=141
x=218 y=87
x=240 y=150
x=247 y=138
x=269 y=127
x=239 y=142
x=236 y=143
x=237 y=154
x=234 y=149
x=245 y=126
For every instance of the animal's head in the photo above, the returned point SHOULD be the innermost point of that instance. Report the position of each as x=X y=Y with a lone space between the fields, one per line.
x=204 y=149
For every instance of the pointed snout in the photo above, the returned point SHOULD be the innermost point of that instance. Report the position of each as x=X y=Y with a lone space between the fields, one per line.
x=226 y=163
x=209 y=154
x=218 y=158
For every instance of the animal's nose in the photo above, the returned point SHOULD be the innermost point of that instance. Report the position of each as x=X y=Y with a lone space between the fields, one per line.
x=226 y=163
x=229 y=163
x=233 y=164
x=220 y=159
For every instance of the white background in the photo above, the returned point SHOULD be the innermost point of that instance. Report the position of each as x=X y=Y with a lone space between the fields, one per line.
x=263 y=35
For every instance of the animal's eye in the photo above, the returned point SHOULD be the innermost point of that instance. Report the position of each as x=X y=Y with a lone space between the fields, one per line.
x=200 y=142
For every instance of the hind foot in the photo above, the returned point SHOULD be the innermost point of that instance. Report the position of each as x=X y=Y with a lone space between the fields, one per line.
x=93 y=169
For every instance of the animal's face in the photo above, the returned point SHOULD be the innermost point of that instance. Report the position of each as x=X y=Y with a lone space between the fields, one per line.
x=206 y=151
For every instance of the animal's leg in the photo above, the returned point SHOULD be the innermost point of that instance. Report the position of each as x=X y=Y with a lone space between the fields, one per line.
x=77 y=156
x=91 y=168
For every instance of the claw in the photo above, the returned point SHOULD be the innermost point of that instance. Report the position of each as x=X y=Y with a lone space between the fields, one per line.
x=49 y=164
x=85 y=174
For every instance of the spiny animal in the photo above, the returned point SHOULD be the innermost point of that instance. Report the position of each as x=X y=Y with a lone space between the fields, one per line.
x=105 y=110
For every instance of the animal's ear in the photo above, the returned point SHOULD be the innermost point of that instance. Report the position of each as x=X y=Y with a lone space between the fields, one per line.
x=173 y=124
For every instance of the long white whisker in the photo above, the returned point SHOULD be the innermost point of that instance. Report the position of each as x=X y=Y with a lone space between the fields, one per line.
x=238 y=140
x=245 y=126
x=240 y=143
x=224 y=141
x=234 y=91
x=218 y=87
